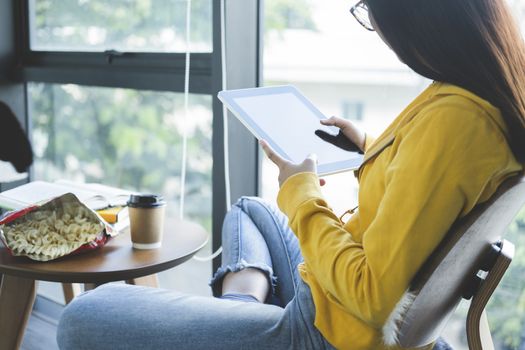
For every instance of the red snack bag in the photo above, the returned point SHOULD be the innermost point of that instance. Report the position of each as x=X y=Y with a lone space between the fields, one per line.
x=59 y=227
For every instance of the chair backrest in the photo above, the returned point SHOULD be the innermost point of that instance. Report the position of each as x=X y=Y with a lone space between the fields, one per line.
x=447 y=274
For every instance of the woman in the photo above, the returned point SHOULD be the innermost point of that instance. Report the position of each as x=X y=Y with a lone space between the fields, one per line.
x=331 y=284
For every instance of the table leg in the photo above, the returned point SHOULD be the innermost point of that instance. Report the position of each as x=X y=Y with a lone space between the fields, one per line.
x=71 y=290
x=148 y=281
x=17 y=296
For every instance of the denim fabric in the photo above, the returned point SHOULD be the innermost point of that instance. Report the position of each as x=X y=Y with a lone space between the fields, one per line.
x=441 y=344
x=255 y=234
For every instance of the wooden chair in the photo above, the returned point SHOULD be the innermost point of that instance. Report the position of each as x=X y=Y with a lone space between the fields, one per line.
x=469 y=263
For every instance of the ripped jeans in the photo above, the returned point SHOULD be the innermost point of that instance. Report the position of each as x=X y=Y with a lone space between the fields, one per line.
x=255 y=234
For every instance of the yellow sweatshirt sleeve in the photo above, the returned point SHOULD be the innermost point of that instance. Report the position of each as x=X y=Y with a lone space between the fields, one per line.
x=440 y=165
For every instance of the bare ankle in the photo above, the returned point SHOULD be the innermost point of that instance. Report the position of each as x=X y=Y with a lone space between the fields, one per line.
x=248 y=281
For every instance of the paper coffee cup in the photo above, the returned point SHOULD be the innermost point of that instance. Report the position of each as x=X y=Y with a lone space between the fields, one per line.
x=146 y=216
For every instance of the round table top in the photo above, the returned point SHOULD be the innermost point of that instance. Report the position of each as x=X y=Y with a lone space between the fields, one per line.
x=116 y=261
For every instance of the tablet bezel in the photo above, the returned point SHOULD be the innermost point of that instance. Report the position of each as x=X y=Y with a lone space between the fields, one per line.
x=228 y=98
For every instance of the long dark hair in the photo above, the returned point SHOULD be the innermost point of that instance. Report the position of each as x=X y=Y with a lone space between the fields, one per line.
x=474 y=44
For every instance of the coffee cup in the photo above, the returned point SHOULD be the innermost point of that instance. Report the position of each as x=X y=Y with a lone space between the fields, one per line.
x=146 y=216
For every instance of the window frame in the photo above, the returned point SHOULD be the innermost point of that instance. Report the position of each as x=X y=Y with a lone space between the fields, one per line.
x=165 y=72
x=110 y=68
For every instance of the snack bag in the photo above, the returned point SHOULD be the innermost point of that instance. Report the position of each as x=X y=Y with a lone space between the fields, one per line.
x=59 y=227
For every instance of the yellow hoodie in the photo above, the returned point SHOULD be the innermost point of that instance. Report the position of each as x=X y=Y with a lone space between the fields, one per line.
x=445 y=153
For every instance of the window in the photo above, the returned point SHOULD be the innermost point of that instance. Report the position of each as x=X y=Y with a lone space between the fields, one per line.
x=105 y=85
x=352 y=110
x=130 y=139
x=123 y=137
x=325 y=59
x=123 y=25
x=331 y=58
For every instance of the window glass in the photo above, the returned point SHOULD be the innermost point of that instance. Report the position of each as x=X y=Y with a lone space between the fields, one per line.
x=352 y=110
x=506 y=308
x=348 y=71
x=124 y=25
x=341 y=67
x=130 y=139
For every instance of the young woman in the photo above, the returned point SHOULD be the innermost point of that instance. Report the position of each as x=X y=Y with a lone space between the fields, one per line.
x=329 y=284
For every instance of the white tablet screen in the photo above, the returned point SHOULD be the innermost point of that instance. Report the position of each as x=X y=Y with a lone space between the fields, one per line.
x=291 y=125
x=287 y=120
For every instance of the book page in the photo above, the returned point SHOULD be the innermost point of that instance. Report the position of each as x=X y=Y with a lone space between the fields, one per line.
x=39 y=191
x=113 y=196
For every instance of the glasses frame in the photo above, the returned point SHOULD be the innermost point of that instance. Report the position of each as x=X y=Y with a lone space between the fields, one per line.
x=360 y=13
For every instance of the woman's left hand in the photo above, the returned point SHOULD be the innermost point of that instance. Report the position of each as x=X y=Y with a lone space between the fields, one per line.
x=288 y=169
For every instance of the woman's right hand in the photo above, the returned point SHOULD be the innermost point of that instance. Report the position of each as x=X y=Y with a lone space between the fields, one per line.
x=349 y=138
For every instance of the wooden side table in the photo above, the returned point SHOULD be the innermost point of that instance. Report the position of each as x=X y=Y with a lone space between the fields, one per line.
x=117 y=261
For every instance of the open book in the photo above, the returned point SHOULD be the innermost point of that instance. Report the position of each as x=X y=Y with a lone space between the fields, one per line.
x=95 y=196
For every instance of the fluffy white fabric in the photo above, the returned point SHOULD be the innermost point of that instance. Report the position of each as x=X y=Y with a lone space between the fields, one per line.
x=391 y=327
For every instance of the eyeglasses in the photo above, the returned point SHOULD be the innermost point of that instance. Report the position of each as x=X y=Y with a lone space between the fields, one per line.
x=360 y=12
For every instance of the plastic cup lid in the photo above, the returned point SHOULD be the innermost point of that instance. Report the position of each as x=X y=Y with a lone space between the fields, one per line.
x=146 y=201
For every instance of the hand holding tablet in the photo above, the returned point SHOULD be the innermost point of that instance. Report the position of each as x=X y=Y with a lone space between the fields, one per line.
x=288 y=122
x=287 y=168
x=349 y=137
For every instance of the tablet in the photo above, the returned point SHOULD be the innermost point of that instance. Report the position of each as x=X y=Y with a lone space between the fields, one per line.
x=287 y=120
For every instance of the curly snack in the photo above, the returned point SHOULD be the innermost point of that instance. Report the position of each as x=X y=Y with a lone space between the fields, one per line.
x=49 y=234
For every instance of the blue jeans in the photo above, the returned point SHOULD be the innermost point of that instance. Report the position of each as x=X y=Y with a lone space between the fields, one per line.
x=256 y=235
